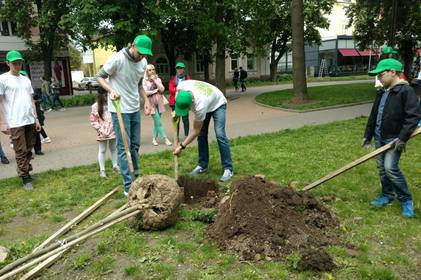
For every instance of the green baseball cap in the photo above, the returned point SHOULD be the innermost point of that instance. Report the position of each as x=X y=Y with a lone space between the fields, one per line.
x=23 y=72
x=180 y=65
x=183 y=99
x=13 y=56
x=386 y=64
x=388 y=50
x=143 y=44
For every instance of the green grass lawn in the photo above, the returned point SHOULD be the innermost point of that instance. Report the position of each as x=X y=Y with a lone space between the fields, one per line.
x=321 y=96
x=387 y=246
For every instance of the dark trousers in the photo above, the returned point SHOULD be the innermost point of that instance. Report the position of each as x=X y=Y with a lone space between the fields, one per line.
x=243 y=85
x=56 y=98
x=186 y=125
x=37 y=146
x=23 y=139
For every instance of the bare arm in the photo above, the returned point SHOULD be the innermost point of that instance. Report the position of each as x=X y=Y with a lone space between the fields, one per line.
x=142 y=93
x=197 y=127
x=34 y=109
x=3 y=123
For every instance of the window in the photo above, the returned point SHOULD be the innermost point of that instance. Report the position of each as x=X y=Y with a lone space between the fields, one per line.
x=161 y=66
x=234 y=63
x=4 y=28
x=251 y=62
x=200 y=67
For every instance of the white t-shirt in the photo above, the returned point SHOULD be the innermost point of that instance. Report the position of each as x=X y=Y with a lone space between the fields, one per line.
x=17 y=99
x=124 y=75
x=206 y=97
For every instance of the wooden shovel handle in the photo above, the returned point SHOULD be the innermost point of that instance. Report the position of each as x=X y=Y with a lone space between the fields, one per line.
x=116 y=104
x=356 y=162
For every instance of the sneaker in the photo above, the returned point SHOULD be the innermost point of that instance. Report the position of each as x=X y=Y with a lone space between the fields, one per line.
x=62 y=109
x=168 y=142
x=39 y=153
x=102 y=174
x=46 y=140
x=226 y=176
x=154 y=142
x=48 y=110
x=126 y=193
x=5 y=160
x=381 y=201
x=11 y=146
x=116 y=169
x=198 y=170
x=408 y=209
x=27 y=184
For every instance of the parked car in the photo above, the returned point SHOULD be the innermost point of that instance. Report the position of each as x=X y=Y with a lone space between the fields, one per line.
x=88 y=82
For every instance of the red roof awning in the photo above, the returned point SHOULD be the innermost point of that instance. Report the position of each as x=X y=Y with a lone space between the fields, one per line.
x=367 y=52
x=349 y=52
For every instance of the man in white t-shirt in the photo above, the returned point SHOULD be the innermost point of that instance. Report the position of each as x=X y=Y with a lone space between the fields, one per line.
x=206 y=101
x=124 y=71
x=18 y=115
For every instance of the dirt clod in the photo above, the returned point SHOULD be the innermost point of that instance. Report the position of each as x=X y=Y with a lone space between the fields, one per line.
x=315 y=260
x=262 y=220
x=160 y=196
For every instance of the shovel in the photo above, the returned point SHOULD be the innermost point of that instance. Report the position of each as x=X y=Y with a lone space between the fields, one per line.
x=356 y=162
x=116 y=104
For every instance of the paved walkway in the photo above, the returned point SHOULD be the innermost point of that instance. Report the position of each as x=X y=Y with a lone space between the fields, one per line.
x=73 y=140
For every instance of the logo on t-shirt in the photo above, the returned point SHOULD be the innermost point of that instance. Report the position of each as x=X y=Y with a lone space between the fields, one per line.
x=203 y=88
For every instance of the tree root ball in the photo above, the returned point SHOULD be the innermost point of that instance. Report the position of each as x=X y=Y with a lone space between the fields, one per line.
x=160 y=197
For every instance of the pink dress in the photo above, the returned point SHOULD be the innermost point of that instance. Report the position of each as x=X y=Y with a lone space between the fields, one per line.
x=154 y=90
x=104 y=128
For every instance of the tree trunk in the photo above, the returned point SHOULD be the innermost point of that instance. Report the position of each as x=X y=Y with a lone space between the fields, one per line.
x=273 y=70
x=407 y=54
x=220 y=49
x=298 y=56
x=220 y=66
x=47 y=53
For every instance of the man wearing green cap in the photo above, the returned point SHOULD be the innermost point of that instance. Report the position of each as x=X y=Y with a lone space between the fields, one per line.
x=18 y=115
x=206 y=101
x=394 y=116
x=124 y=71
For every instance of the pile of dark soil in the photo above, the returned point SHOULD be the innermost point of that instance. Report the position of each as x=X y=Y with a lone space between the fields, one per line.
x=261 y=220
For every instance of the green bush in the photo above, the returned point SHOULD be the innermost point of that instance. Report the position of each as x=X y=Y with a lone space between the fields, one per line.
x=79 y=100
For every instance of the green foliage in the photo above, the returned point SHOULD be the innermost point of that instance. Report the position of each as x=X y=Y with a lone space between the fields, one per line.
x=79 y=100
x=321 y=96
x=75 y=58
x=373 y=22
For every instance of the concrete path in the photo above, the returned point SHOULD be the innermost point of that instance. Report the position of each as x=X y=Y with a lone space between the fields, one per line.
x=73 y=140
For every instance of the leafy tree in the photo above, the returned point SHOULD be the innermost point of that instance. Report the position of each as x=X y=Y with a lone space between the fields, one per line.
x=268 y=22
x=376 y=23
x=298 y=56
x=75 y=58
x=46 y=15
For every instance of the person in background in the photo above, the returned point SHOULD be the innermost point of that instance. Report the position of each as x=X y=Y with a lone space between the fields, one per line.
x=394 y=116
x=102 y=122
x=45 y=95
x=18 y=115
x=41 y=118
x=55 y=86
x=3 y=158
x=243 y=77
x=152 y=85
x=175 y=80
x=206 y=101
x=235 y=78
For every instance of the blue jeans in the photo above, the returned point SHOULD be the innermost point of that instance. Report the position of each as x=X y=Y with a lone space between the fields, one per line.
x=391 y=178
x=1 y=152
x=221 y=137
x=132 y=126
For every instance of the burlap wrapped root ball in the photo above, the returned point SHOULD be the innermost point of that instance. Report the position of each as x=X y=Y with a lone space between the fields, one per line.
x=160 y=196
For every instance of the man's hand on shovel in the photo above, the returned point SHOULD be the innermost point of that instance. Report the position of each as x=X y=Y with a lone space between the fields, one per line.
x=114 y=95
